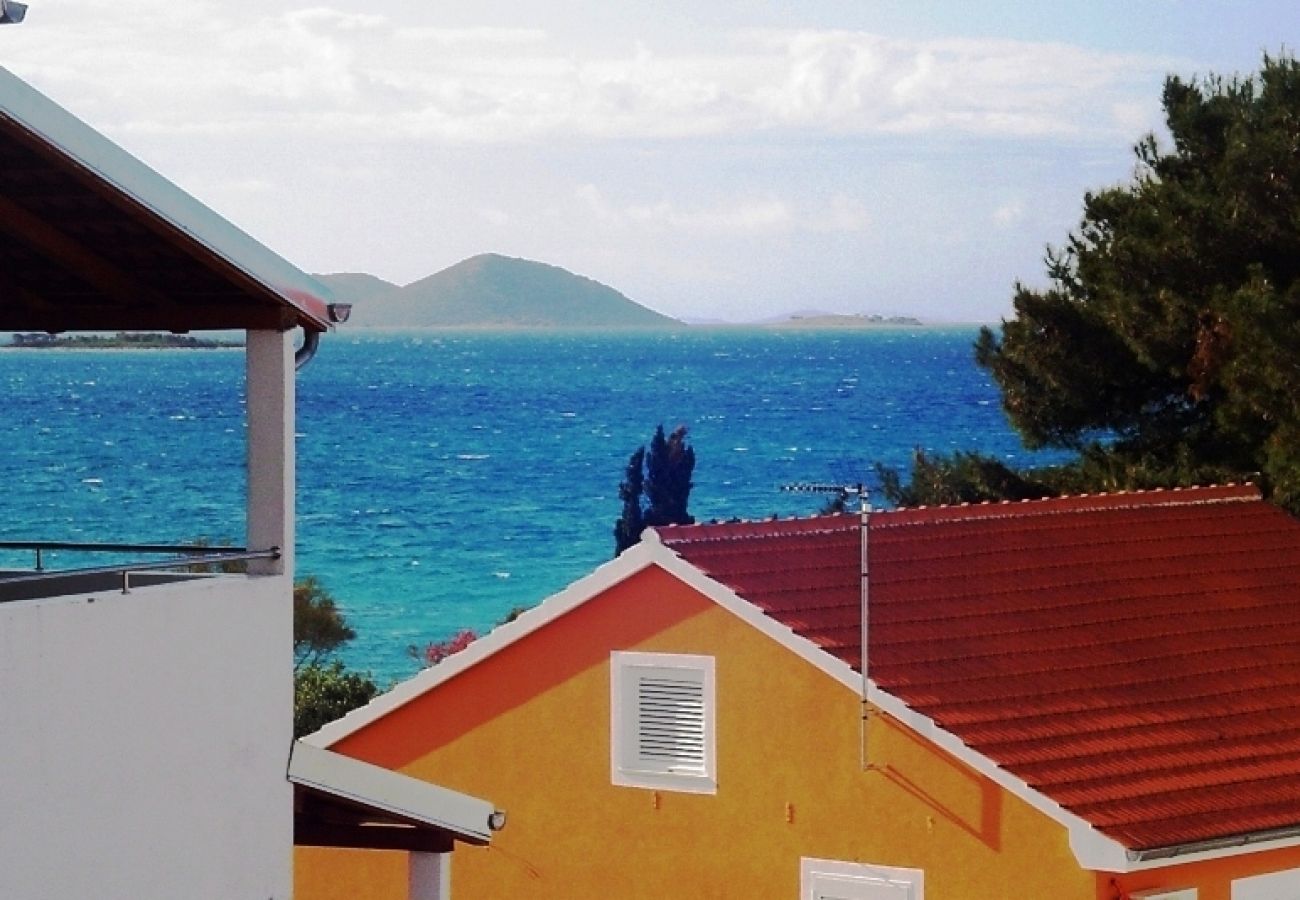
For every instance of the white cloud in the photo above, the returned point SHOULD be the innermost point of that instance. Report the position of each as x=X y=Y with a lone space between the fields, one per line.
x=740 y=217
x=1008 y=214
x=325 y=69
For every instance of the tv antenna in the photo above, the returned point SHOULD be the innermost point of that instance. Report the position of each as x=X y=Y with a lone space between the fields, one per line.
x=846 y=491
x=843 y=491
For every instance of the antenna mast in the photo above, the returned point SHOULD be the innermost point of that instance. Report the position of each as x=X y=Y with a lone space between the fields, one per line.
x=845 y=491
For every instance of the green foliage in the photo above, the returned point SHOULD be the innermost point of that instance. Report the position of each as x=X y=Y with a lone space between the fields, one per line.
x=323 y=692
x=318 y=627
x=959 y=478
x=1166 y=348
x=660 y=478
x=323 y=688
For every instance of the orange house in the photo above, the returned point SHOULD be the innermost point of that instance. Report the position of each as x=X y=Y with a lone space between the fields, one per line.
x=1084 y=698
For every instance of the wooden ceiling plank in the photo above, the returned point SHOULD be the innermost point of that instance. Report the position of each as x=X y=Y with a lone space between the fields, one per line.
x=109 y=318
x=101 y=274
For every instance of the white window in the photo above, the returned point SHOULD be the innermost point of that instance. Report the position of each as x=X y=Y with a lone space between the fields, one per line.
x=1274 y=886
x=1165 y=894
x=827 y=879
x=662 y=723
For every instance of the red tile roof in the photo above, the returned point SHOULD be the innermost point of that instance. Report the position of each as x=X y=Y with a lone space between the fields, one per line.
x=1134 y=657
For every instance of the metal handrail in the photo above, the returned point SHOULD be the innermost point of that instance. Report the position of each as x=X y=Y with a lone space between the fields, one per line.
x=125 y=569
x=41 y=546
x=112 y=548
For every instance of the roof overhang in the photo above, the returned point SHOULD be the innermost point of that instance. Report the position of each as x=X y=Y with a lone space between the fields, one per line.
x=92 y=239
x=343 y=802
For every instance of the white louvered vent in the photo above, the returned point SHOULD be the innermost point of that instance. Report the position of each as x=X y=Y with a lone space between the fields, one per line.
x=670 y=722
x=662 y=733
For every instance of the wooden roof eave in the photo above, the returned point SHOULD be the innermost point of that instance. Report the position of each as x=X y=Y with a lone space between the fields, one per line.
x=276 y=294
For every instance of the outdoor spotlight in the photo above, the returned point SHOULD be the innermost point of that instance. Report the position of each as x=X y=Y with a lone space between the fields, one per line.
x=11 y=13
x=339 y=312
x=497 y=820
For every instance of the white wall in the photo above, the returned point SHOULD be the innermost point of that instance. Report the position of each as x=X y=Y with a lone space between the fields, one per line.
x=1275 y=886
x=144 y=741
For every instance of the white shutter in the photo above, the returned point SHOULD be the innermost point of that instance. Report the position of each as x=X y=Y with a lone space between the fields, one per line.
x=661 y=728
x=828 y=887
x=670 y=723
x=827 y=879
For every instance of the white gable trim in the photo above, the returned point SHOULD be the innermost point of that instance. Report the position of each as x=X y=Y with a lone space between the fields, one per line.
x=602 y=579
x=1093 y=850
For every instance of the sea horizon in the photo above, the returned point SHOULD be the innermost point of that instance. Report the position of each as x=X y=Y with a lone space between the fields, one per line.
x=445 y=478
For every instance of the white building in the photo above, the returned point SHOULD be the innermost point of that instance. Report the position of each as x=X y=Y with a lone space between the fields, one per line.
x=145 y=713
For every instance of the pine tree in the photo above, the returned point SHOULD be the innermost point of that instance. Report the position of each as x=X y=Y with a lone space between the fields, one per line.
x=1165 y=349
x=1168 y=340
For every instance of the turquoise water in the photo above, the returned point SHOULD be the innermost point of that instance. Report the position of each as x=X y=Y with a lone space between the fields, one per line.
x=446 y=478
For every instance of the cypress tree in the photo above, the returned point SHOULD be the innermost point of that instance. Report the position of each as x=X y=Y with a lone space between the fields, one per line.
x=669 y=467
x=628 y=527
x=656 y=487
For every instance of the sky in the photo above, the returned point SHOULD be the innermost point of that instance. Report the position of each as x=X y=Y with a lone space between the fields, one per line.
x=712 y=160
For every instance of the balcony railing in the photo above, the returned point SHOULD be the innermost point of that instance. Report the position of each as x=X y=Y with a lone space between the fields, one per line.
x=190 y=559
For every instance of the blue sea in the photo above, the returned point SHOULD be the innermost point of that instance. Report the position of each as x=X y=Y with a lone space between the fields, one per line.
x=445 y=478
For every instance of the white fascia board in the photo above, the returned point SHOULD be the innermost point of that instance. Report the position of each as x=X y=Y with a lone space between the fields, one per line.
x=390 y=792
x=76 y=140
x=629 y=563
x=1246 y=845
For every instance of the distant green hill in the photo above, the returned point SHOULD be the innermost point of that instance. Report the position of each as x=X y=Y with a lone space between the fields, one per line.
x=352 y=287
x=493 y=291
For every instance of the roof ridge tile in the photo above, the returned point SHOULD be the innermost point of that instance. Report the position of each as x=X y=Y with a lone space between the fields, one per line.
x=1150 y=498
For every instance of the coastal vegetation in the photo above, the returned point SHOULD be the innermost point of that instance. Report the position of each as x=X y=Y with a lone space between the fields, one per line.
x=325 y=691
x=1164 y=349
x=123 y=340
x=323 y=687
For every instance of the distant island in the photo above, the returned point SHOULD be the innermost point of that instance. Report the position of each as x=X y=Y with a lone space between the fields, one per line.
x=836 y=320
x=121 y=341
x=495 y=292
x=491 y=291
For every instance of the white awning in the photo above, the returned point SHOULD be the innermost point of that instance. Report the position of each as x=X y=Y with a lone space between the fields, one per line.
x=343 y=802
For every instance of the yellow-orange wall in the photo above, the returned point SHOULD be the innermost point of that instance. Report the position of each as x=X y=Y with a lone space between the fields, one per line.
x=529 y=729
